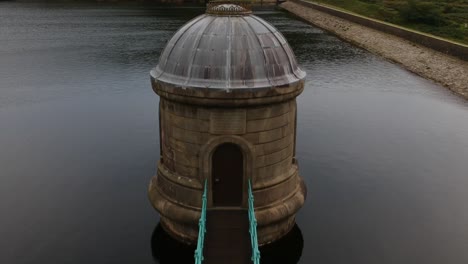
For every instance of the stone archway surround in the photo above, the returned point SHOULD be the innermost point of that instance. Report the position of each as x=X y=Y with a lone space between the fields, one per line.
x=206 y=154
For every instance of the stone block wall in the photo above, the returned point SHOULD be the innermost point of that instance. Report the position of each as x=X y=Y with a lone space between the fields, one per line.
x=189 y=136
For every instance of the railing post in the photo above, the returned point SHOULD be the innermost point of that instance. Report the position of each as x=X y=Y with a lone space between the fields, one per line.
x=201 y=229
x=253 y=227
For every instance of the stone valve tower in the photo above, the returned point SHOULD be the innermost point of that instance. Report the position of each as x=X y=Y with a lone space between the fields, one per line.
x=227 y=82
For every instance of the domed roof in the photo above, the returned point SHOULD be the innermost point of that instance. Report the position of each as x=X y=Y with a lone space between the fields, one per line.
x=227 y=48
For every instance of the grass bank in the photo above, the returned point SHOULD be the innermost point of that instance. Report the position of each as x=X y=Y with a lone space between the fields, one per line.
x=446 y=70
x=443 y=18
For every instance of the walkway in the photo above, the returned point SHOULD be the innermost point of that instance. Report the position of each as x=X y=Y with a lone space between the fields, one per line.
x=227 y=238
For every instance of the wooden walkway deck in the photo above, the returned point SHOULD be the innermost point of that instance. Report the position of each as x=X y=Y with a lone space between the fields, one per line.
x=227 y=238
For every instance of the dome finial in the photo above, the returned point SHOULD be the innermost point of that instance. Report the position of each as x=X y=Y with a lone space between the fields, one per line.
x=229 y=8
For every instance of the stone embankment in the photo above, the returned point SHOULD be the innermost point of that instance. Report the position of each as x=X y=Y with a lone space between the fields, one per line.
x=446 y=70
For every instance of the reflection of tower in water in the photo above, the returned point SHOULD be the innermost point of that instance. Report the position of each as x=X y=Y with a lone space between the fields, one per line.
x=287 y=250
x=167 y=250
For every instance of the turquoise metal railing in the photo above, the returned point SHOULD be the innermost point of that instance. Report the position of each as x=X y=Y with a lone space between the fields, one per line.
x=253 y=228
x=201 y=229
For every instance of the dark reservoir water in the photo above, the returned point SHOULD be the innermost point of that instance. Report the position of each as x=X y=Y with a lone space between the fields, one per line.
x=384 y=153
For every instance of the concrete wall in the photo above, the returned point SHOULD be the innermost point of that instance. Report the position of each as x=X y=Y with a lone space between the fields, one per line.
x=444 y=46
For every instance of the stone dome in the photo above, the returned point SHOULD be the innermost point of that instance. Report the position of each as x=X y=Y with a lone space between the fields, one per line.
x=225 y=49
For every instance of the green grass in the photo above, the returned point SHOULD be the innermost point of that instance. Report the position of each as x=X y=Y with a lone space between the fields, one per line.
x=443 y=18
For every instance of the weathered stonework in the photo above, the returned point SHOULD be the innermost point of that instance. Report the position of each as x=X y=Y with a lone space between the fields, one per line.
x=260 y=121
x=267 y=142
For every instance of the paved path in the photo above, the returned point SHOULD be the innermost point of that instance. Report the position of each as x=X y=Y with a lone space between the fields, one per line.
x=227 y=238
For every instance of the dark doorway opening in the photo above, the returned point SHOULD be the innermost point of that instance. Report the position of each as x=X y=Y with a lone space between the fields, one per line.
x=227 y=175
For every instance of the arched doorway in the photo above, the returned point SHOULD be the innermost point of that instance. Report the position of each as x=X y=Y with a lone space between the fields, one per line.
x=227 y=175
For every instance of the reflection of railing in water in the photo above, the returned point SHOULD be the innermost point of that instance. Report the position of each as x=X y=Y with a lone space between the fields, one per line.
x=201 y=229
x=253 y=227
